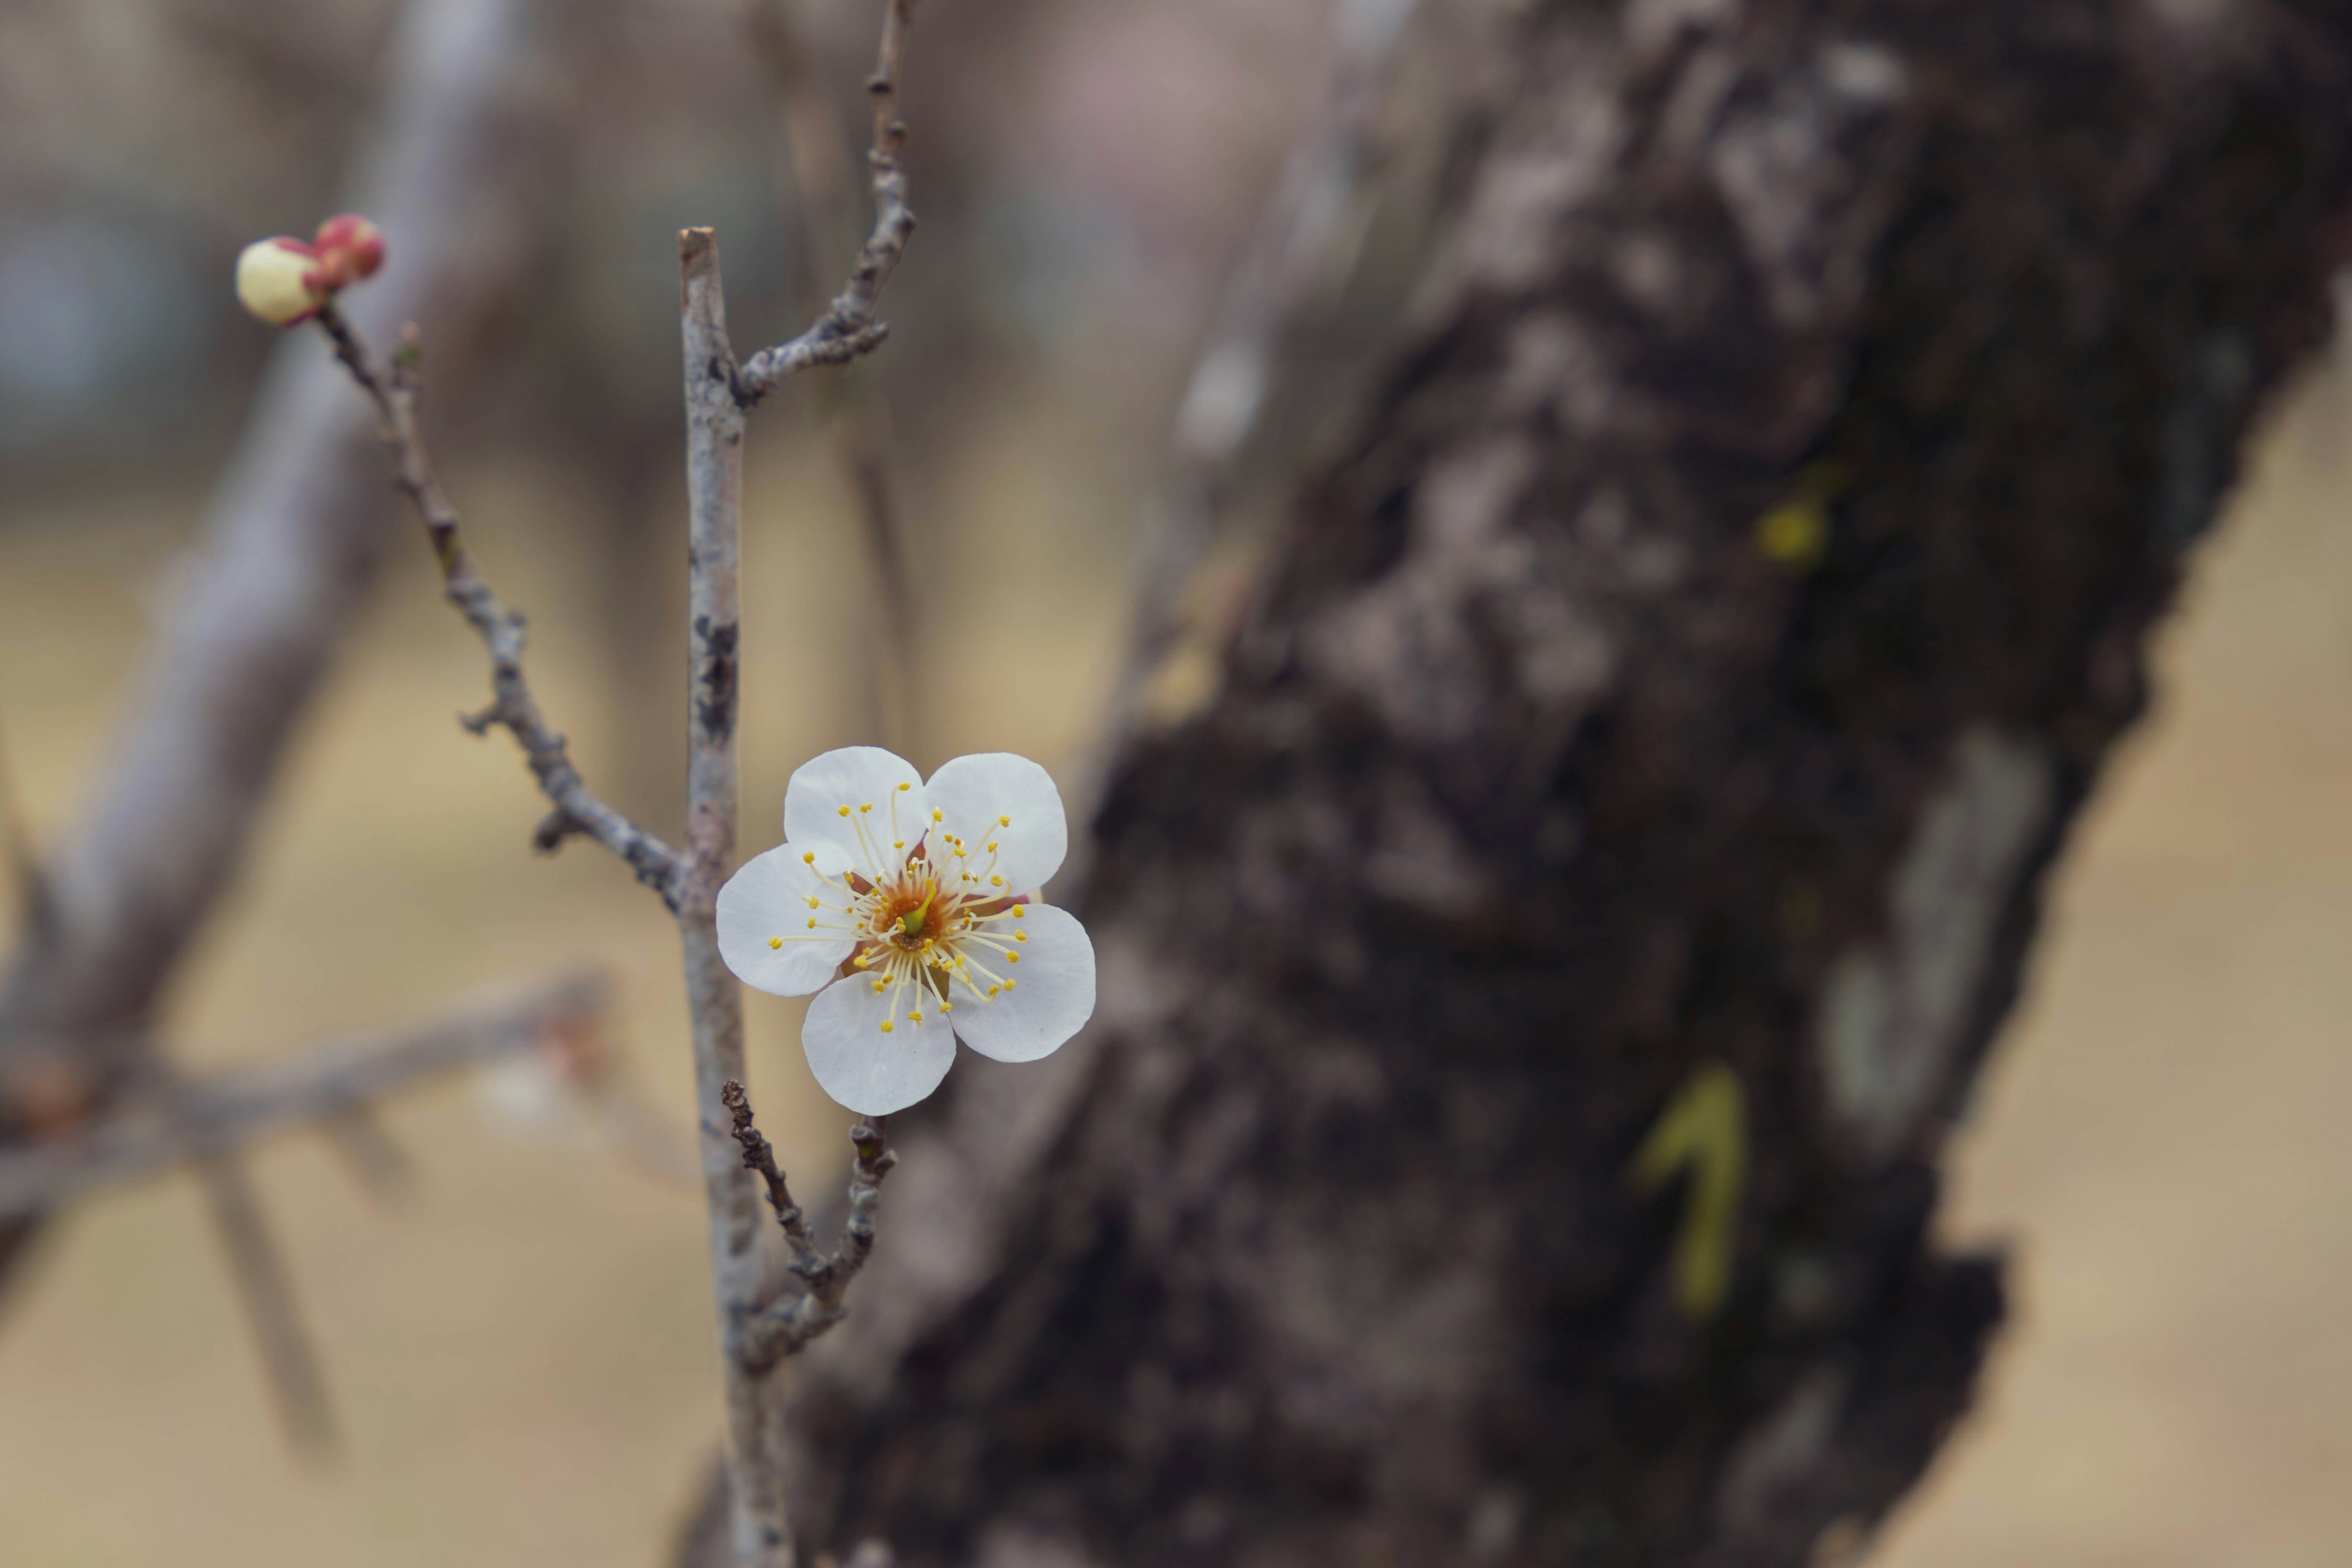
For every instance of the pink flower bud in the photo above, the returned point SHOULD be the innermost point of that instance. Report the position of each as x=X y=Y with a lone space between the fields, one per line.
x=276 y=279
x=350 y=247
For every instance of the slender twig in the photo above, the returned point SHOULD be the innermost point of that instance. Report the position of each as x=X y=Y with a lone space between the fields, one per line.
x=258 y=1266
x=196 y=1119
x=823 y=190
x=790 y=1322
x=848 y=329
x=760 y=1159
x=512 y=706
x=858 y=426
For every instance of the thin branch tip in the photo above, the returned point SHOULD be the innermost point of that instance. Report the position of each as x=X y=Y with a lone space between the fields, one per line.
x=846 y=330
x=502 y=630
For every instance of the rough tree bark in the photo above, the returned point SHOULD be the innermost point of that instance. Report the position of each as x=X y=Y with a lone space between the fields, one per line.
x=1697 y=655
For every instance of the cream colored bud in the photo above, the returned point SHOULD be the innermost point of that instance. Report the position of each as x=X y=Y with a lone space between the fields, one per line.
x=274 y=279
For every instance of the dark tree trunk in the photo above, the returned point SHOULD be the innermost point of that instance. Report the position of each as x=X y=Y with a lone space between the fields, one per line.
x=1661 y=715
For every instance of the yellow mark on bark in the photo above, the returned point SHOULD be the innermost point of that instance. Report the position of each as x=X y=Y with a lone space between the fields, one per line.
x=1704 y=1127
x=1795 y=532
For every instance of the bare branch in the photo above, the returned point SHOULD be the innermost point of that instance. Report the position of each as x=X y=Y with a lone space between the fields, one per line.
x=857 y=443
x=374 y=1157
x=787 y=1325
x=848 y=329
x=290 y=548
x=760 y=1159
x=512 y=706
x=762 y=1525
x=266 y=1290
x=210 y=1117
x=822 y=188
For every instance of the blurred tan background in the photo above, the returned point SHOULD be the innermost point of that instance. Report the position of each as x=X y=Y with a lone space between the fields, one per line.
x=521 y=1350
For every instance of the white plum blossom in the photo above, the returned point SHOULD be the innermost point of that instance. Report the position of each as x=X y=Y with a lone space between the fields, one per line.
x=909 y=906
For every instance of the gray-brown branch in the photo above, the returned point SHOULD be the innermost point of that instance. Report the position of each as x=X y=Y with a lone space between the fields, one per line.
x=848 y=329
x=786 y=1326
x=718 y=392
x=265 y=1288
x=287 y=555
x=822 y=188
x=202 y=1118
x=577 y=811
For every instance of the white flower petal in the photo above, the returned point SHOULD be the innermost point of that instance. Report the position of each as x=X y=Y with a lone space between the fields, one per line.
x=1052 y=992
x=885 y=797
x=871 y=1072
x=976 y=796
x=763 y=915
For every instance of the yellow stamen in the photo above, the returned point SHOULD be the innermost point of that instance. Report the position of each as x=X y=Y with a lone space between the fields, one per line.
x=904 y=787
x=808 y=857
x=775 y=941
x=1003 y=822
x=845 y=811
x=887 y=1026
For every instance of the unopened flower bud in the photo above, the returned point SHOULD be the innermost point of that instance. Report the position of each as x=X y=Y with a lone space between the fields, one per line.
x=349 y=248
x=275 y=280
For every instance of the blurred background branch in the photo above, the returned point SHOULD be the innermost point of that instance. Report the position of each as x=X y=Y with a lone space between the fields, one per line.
x=294 y=543
x=311 y=1086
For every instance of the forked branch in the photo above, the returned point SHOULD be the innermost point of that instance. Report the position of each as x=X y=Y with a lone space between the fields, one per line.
x=848 y=329
x=787 y=1324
